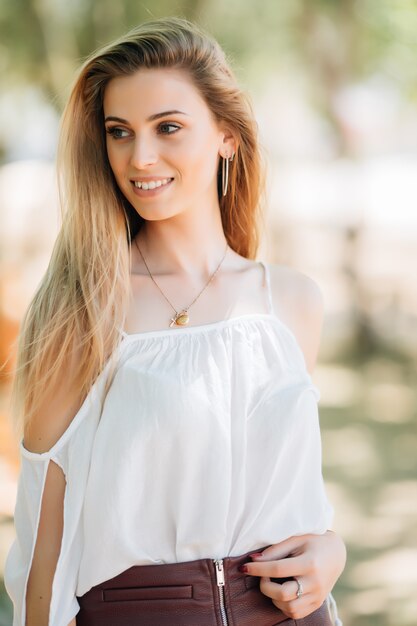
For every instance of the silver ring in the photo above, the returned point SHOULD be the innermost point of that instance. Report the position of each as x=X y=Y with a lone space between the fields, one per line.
x=300 y=588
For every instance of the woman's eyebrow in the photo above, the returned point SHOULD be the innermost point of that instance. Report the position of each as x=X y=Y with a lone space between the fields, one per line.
x=155 y=116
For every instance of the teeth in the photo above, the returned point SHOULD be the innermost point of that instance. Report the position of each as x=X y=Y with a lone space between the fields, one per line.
x=152 y=184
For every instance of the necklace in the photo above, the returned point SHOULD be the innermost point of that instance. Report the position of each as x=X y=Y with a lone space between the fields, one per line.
x=181 y=318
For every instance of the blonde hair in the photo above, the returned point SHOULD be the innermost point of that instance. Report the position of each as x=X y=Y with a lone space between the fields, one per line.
x=82 y=299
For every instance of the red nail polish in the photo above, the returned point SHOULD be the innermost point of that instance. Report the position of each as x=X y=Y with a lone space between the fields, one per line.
x=243 y=568
x=255 y=554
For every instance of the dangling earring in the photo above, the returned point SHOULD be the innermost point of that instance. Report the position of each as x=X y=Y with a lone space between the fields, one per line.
x=225 y=172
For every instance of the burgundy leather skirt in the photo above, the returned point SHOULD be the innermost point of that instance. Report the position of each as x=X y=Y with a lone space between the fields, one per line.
x=204 y=592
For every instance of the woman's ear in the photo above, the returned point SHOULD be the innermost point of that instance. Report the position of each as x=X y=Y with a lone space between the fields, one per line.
x=229 y=144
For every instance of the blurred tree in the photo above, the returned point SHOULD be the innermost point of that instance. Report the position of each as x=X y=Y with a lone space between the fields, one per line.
x=330 y=41
x=43 y=41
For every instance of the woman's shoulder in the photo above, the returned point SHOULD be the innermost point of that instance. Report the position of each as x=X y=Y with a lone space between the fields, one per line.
x=295 y=286
x=63 y=408
x=298 y=301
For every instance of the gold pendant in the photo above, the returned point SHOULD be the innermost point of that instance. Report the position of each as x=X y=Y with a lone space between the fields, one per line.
x=181 y=319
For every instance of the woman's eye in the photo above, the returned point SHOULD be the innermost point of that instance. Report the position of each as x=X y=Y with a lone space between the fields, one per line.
x=172 y=126
x=114 y=132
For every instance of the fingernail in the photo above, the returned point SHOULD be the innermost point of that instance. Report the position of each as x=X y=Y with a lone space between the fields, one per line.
x=254 y=555
x=243 y=569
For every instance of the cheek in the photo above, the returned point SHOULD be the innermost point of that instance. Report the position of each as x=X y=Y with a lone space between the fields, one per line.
x=199 y=161
x=203 y=166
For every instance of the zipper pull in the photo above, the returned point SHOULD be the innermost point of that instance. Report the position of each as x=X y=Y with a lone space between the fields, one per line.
x=219 y=572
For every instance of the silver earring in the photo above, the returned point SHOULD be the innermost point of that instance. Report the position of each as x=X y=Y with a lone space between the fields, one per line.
x=225 y=173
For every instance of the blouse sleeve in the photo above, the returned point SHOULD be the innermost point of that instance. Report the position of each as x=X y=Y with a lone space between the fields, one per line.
x=308 y=477
x=72 y=452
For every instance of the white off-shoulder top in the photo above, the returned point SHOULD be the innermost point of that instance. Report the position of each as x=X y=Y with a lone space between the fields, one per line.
x=208 y=445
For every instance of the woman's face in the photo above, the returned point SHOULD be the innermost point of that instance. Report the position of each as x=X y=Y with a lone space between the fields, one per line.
x=158 y=127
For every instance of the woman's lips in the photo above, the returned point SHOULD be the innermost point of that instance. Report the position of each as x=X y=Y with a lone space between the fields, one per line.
x=150 y=193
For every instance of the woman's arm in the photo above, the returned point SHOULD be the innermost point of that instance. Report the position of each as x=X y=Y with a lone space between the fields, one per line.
x=58 y=408
x=47 y=548
x=317 y=560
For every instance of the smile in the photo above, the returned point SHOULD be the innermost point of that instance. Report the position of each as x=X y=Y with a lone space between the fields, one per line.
x=152 y=184
x=151 y=188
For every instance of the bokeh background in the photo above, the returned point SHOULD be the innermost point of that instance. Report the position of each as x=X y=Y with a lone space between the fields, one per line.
x=334 y=89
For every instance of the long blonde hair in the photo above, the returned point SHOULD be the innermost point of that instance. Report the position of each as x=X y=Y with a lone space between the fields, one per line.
x=81 y=301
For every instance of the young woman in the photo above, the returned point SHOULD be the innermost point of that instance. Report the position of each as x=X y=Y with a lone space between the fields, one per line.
x=164 y=385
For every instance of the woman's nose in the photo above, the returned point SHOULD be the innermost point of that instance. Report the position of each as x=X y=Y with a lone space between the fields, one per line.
x=144 y=153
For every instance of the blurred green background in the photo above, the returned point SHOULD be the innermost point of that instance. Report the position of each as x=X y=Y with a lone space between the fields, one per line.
x=334 y=90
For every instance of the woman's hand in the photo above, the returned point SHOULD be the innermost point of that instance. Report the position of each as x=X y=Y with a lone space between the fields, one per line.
x=315 y=560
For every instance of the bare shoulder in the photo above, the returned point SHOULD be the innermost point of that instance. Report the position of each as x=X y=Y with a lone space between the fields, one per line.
x=298 y=301
x=59 y=406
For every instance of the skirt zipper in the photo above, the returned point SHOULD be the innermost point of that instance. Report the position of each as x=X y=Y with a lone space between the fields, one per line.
x=220 y=584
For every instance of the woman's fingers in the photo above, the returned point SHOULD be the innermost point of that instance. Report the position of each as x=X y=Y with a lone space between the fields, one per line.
x=285 y=592
x=284 y=598
x=291 y=566
x=313 y=559
x=282 y=549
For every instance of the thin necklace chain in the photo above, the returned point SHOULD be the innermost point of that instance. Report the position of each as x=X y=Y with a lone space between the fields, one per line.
x=183 y=311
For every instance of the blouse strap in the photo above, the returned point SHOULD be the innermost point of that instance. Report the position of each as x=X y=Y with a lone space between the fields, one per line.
x=267 y=283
